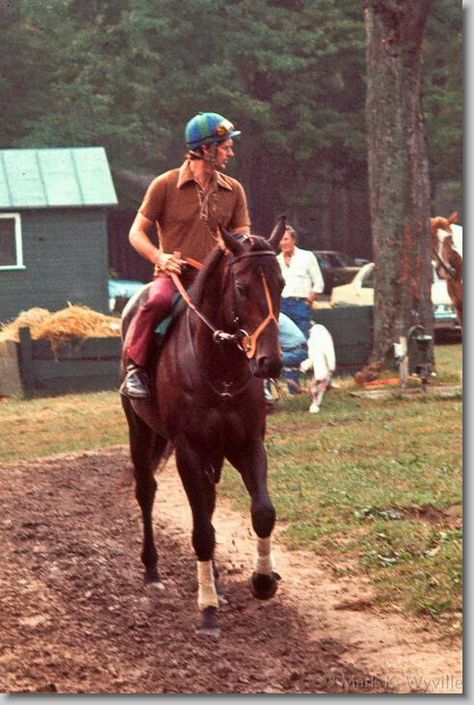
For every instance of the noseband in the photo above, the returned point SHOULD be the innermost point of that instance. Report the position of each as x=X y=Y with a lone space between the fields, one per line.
x=248 y=342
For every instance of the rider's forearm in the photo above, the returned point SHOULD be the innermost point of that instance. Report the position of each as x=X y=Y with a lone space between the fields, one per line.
x=143 y=245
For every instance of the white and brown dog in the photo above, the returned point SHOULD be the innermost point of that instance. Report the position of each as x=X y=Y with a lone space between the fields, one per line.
x=322 y=360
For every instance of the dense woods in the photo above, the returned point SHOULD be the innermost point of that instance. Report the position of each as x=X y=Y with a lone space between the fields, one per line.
x=127 y=74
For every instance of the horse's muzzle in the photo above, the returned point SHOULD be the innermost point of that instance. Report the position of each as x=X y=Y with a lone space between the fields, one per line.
x=267 y=366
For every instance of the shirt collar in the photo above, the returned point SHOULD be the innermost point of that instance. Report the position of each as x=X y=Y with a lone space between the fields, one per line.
x=185 y=174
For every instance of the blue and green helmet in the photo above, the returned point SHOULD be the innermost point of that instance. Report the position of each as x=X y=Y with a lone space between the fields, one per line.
x=205 y=128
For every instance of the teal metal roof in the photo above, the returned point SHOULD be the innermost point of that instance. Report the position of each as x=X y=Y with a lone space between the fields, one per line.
x=52 y=178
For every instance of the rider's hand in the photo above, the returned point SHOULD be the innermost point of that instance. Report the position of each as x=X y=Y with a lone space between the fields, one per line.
x=169 y=263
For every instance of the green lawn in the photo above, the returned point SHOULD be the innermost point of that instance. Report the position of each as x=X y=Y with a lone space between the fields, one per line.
x=372 y=486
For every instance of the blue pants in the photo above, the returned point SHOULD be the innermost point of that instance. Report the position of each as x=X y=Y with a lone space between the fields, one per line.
x=300 y=312
x=292 y=359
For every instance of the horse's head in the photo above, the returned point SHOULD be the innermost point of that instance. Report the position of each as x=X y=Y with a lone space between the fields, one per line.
x=442 y=240
x=252 y=297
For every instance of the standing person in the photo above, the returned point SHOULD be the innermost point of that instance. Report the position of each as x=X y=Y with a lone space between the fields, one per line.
x=186 y=205
x=303 y=280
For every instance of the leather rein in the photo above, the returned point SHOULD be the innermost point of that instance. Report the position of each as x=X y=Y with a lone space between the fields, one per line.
x=247 y=342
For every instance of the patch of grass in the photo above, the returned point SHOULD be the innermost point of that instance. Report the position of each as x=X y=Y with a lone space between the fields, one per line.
x=372 y=486
x=377 y=485
x=39 y=427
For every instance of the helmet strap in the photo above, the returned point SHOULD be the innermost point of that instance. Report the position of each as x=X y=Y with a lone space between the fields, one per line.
x=195 y=153
x=211 y=156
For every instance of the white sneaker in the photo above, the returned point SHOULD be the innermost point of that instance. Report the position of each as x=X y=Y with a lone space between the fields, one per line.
x=314 y=408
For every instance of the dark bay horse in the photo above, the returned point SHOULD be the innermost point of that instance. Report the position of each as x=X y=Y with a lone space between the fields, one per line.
x=447 y=248
x=208 y=402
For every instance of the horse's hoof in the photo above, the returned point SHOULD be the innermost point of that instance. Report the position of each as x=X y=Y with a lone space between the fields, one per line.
x=264 y=586
x=154 y=585
x=209 y=625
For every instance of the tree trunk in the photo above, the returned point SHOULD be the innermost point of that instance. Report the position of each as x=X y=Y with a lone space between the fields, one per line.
x=398 y=171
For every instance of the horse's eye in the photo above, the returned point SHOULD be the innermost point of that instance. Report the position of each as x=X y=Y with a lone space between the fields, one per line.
x=242 y=289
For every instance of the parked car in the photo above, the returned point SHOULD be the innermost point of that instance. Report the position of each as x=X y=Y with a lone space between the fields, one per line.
x=360 y=292
x=336 y=267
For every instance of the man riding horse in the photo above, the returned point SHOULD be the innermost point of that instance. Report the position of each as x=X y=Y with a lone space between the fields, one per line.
x=187 y=206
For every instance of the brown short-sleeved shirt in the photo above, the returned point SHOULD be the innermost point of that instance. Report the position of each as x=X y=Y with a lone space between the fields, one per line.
x=172 y=201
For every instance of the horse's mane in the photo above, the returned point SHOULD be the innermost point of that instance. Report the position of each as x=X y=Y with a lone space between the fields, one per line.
x=206 y=283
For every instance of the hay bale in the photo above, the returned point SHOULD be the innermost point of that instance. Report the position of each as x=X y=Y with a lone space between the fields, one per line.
x=26 y=319
x=72 y=322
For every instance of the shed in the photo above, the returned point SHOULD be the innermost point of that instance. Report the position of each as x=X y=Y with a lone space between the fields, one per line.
x=53 y=228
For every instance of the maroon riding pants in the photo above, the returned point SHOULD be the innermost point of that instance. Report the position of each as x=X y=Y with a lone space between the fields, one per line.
x=148 y=317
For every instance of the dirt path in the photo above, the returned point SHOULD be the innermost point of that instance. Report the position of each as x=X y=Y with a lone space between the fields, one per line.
x=76 y=618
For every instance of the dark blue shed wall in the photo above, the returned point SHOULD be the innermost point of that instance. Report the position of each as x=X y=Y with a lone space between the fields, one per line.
x=65 y=254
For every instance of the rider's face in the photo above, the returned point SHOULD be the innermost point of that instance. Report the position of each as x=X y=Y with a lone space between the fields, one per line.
x=224 y=152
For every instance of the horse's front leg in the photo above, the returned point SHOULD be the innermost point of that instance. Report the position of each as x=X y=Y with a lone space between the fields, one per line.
x=251 y=462
x=199 y=478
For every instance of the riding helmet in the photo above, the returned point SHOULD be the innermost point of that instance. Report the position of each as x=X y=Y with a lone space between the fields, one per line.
x=205 y=128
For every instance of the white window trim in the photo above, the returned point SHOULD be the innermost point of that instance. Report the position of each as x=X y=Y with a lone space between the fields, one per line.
x=18 y=242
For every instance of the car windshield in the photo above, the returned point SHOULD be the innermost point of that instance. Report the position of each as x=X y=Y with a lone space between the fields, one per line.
x=344 y=260
x=368 y=279
x=334 y=259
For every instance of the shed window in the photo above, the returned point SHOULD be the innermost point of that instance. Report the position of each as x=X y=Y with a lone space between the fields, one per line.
x=11 y=250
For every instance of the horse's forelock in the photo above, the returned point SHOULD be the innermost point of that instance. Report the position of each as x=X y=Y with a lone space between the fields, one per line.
x=440 y=223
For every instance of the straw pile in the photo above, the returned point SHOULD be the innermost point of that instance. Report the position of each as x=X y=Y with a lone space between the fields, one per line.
x=71 y=322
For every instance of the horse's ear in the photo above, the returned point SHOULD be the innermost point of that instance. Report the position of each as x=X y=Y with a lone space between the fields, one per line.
x=232 y=242
x=453 y=218
x=277 y=232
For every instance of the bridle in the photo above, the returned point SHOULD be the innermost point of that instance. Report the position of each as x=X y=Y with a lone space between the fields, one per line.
x=247 y=342
x=450 y=271
x=444 y=265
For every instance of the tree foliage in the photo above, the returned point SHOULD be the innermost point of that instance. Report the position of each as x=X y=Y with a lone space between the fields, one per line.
x=128 y=74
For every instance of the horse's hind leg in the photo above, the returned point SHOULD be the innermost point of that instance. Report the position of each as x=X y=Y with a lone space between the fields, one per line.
x=146 y=449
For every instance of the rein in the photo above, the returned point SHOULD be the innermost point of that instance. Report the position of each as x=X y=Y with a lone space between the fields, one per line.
x=249 y=341
x=244 y=340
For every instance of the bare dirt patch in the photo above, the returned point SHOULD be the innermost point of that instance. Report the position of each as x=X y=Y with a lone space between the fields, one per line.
x=77 y=619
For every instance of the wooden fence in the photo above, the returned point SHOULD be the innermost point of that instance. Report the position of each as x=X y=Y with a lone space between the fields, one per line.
x=36 y=368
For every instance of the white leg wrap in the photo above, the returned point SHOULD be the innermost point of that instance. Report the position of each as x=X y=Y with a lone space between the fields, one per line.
x=207 y=595
x=264 y=562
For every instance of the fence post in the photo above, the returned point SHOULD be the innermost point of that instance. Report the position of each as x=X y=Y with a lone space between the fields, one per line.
x=27 y=371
